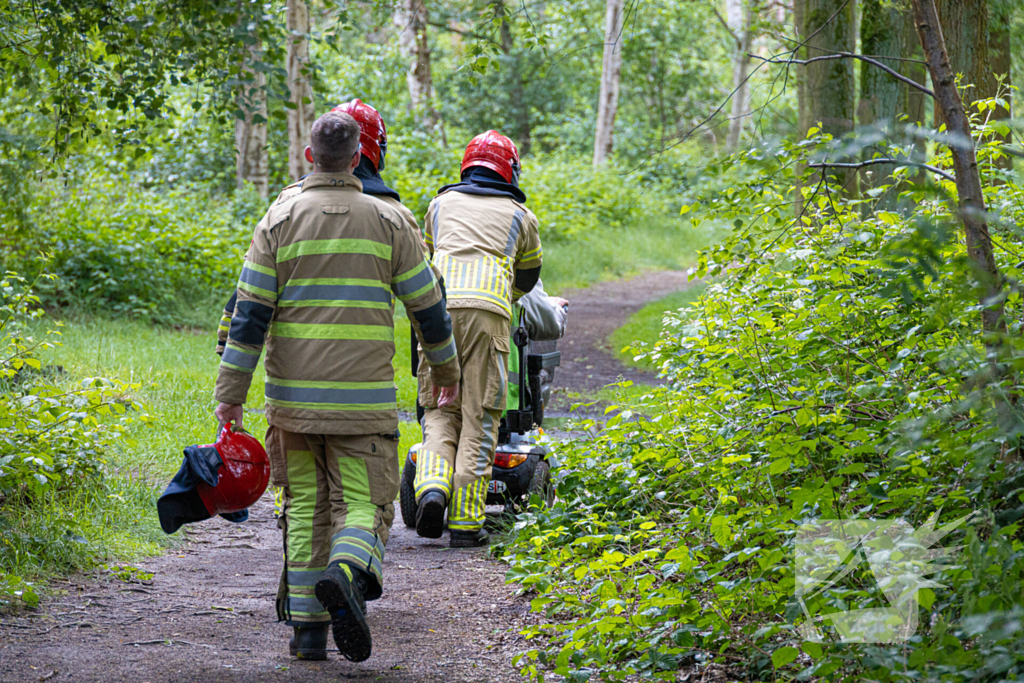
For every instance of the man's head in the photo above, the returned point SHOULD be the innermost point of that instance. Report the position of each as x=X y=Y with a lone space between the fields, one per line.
x=334 y=144
x=374 y=138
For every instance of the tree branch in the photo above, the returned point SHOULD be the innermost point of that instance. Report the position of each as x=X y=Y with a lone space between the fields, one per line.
x=462 y=32
x=850 y=55
x=874 y=162
x=725 y=24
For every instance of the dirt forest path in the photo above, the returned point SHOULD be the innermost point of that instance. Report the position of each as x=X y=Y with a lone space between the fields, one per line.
x=588 y=363
x=208 y=612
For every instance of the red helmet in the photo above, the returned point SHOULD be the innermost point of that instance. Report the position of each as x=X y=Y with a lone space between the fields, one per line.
x=494 y=151
x=243 y=477
x=373 y=136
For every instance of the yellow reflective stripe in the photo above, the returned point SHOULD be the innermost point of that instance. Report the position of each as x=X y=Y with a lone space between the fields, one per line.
x=334 y=246
x=327 y=331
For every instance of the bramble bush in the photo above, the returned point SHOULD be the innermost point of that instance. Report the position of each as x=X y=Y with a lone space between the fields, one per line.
x=835 y=370
x=54 y=436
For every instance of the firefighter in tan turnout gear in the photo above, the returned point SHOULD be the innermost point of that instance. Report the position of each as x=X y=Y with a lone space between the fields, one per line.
x=485 y=242
x=317 y=287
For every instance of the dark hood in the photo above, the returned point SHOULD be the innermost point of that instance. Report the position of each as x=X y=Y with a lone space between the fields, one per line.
x=372 y=183
x=484 y=181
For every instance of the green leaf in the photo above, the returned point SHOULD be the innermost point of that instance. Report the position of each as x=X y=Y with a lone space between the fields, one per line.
x=784 y=656
x=779 y=466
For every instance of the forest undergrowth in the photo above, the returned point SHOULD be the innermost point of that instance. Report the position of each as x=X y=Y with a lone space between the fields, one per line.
x=835 y=369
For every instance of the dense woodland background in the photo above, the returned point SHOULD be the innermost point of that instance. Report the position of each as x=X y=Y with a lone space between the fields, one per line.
x=853 y=204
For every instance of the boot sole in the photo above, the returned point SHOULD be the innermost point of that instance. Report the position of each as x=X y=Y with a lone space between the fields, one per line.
x=348 y=624
x=469 y=543
x=310 y=655
x=430 y=520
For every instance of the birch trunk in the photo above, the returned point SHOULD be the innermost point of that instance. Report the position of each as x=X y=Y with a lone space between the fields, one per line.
x=740 y=15
x=251 y=161
x=410 y=17
x=303 y=114
x=608 y=101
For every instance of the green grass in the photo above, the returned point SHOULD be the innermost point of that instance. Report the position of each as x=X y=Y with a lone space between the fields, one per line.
x=662 y=243
x=644 y=326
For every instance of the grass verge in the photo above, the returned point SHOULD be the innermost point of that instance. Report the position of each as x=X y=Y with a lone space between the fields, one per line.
x=661 y=243
x=644 y=327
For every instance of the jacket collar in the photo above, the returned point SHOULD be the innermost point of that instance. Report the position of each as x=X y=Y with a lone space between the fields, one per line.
x=332 y=180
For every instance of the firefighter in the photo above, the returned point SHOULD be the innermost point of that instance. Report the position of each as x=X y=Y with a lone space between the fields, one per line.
x=330 y=393
x=485 y=242
x=373 y=141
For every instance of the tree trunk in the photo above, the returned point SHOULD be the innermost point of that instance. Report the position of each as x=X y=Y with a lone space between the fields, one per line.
x=740 y=15
x=302 y=114
x=883 y=100
x=965 y=30
x=999 y=54
x=411 y=19
x=251 y=161
x=608 y=100
x=829 y=27
x=965 y=164
x=802 y=117
x=512 y=67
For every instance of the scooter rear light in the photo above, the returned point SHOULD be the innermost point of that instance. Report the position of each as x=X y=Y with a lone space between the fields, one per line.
x=508 y=460
x=413 y=455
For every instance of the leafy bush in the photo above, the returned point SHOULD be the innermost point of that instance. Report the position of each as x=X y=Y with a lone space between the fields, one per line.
x=53 y=437
x=838 y=372
x=116 y=247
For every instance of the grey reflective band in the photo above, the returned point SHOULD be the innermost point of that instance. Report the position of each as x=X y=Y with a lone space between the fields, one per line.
x=326 y=395
x=335 y=293
x=513 y=235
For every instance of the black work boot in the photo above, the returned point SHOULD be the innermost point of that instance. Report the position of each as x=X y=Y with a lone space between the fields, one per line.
x=309 y=642
x=430 y=514
x=340 y=590
x=470 y=539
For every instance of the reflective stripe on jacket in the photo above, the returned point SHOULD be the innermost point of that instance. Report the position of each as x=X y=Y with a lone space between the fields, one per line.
x=478 y=243
x=317 y=286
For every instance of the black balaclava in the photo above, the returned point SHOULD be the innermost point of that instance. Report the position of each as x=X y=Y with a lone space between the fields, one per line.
x=372 y=183
x=484 y=181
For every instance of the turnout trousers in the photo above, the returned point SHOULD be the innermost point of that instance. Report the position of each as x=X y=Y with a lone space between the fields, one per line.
x=459 y=440
x=337 y=508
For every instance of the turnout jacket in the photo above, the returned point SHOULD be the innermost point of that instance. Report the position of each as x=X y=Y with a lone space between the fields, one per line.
x=316 y=287
x=482 y=245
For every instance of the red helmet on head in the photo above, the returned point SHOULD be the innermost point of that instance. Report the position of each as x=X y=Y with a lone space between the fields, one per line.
x=243 y=477
x=494 y=151
x=373 y=136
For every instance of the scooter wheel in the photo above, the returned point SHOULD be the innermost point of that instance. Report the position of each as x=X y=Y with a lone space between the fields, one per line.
x=407 y=494
x=541 y=484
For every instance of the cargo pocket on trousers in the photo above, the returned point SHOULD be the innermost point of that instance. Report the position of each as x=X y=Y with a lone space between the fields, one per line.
x=277 y=453
x=497 y=374
x=424 y=387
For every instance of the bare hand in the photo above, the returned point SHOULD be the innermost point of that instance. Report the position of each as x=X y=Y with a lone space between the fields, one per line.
x=228 y=412
x=446 y=395
x=560 y=302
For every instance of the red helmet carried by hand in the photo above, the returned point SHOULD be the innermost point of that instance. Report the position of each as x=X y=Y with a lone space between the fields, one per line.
x=243 y=477
x=494 y=151
x=372 y=134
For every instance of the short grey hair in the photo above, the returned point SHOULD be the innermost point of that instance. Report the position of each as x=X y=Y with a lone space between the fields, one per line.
x=335 y=140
